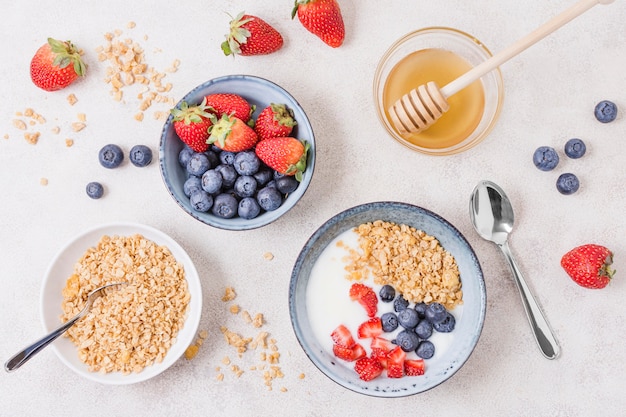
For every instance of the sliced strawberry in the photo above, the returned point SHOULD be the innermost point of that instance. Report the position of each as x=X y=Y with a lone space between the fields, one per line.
x=368 y=368
x=342 y=337
x=371 y=328
x=349 y=354
x=414 y=367
x=366 y=297
x=380 y=349
x=395 y=363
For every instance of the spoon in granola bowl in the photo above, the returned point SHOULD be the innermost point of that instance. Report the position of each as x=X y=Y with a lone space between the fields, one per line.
x=492 y=216
x=28 y=352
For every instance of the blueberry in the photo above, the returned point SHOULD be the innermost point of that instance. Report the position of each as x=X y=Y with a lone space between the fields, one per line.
x=111 y=156
x=140 y=156
x=229 y=175
x=271 y=184
x=215 y=149
x=247 y=163
x=212 y=181
x=446 y=325
x=400 y=303
x=387 y=293
x=198 y=164
x=269 y=198
x=435 y=313
x=425 y=349
x=245 y=186
x=424 y=329
x=389 y=322
x=225 y=206
x=421 y=309
x=248 y=208
x=287 y=184
x=408 y=318
x=567 y=183
x=94 y=190
x=263 y=176
x=227 y=158
x=214 y=160
x=575 y=148
x=277 y=175
x=192 y=184
x=201 y=201
x=184 y=155
x=545 y=158
x=605 y=111
x=407 y=340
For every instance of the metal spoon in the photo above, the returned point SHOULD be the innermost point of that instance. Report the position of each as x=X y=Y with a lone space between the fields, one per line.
x=492 y=215
x=28 y=352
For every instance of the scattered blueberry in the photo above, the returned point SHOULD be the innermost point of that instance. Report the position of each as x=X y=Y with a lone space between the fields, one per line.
x=245 y=186
x=287 y=184
x=229 y=175
x=446 y=325
x=407 y=340
x=111 y=156
x=421 y=309
x=198 y=164
x=248 y=208
x=408 y=318
x=225 y=206
x=545 y=158
x=424 y=329
x=246 y=163
x=269 y=198
x=94 y=190
x=227 y=158
x=140 y=156
x=400 y=303
x=605 y=111
x=425 y=349
x=389 y=322
x=575 y=148
x=212 y=181
x=387 y=293
x=567 y=183
x=435 y=313
x=201 y=201
x=192 y=184
x=184 y=155
x=263 y=176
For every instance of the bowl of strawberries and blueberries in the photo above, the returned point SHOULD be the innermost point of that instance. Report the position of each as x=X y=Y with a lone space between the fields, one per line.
x=237 y=152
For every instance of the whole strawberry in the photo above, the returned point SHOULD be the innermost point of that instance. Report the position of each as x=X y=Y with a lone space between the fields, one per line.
x=231 y=134
x=230 y=104
x=274 y=121
x=285 y=155
x=251 y=35
x=589 y=265
x=192 y=123
x=56 y=65
x=322 y=18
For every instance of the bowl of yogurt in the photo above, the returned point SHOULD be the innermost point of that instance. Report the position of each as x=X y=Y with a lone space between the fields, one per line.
x=378 y=245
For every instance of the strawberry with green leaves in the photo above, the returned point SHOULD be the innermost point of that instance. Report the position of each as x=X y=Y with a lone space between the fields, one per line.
x=231 y=134
x=285 y=155
x=251 y=35
x=274 y=121
x=56 y=65
x=192 y=123
x=231 y=105
x=589 y=265
x=322 y=18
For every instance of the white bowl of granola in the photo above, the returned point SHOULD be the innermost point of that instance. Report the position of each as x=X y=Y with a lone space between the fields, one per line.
x=136 y=331
x=425 y=259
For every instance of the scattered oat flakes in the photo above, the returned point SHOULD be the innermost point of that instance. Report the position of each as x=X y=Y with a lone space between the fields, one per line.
x=78 y=126
x=258 y=320
x=203 y=334
x=229 y=294
x=191 y=352
x=246 y=316
x=269 y=256
x=234 y=309
x=56 y=130
x=226 y=360
x=219 y=377
x=72 y=99
x=139 y=116
x=131 y=25
x=6 y=136
x=81 y=117
x=19 y=124
x=69 y=142
x=283 y=389
x=32 y=138
x=43 y=181
x=301 y=376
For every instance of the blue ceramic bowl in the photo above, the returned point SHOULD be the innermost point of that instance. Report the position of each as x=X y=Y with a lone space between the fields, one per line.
x=468 y=326
x=256 y=91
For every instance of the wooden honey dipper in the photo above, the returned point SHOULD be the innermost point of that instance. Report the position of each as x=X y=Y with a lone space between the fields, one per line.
x=421 y=107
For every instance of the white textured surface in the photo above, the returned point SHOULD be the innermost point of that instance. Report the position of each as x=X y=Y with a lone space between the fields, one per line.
x=551 y=90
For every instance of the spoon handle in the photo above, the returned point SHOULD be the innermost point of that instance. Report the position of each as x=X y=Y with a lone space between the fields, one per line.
x=543 y=334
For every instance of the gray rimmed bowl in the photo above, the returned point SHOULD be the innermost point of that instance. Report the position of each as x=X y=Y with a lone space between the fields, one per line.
x=260 y=93
x=468 y=327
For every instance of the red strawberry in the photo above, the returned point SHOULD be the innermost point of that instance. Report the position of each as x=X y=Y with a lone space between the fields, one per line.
x=342 y=337
x=231 y=105
x=368 y=368
x=231 y=134
x=395 y=363
x=366 y=297
x=285 y=155
x=322 y=18
x=349 y=354
x=56 y=65
x=380 y=350
x=192 y=123
x=589 y=265
x=371 y=328
x=414 y=367
x=251 y=35
x=274 y=121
